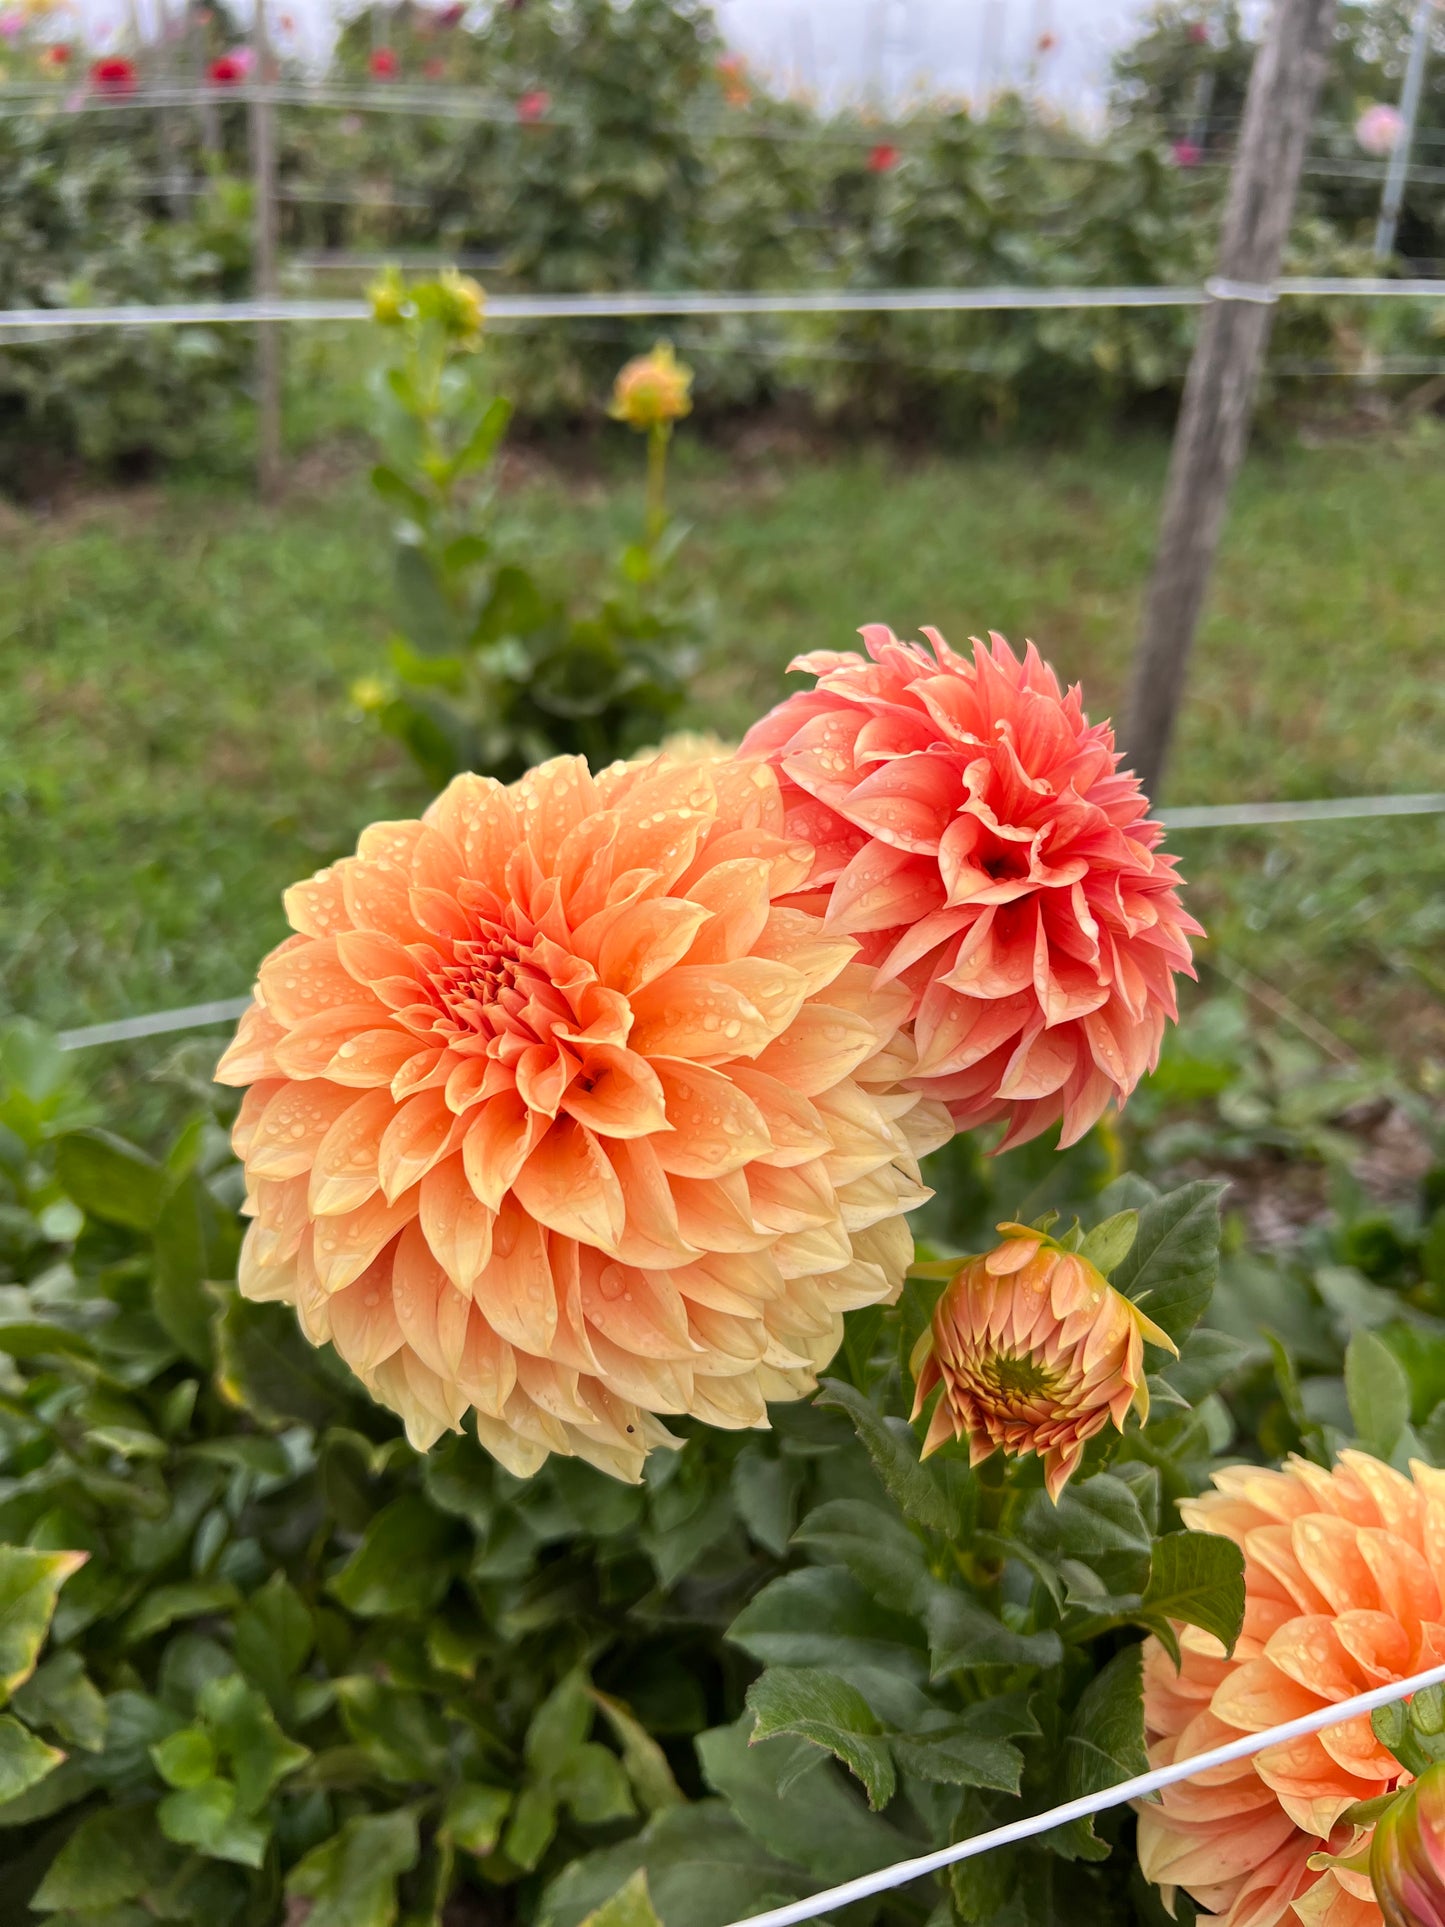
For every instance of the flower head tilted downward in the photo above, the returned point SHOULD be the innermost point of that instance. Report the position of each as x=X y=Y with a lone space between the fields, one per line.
x=975 y=832
x=1036 y=1352
x=557 y=1113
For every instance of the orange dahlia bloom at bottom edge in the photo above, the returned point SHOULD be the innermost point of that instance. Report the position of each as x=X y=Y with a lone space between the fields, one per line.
x=1345 y=1590
x=555 y=1114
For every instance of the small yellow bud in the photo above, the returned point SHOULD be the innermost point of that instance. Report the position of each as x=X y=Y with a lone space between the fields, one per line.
x=651 y=390
x=369 y=693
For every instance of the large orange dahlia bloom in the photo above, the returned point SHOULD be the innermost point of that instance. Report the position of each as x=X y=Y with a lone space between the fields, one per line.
x=1036 y=1352
x=1345 y=1590
x=557 y=1114
x=977 y=833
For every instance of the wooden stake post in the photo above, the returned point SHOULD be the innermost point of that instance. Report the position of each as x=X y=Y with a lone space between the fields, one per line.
x=1214 y=418
x=267 y=284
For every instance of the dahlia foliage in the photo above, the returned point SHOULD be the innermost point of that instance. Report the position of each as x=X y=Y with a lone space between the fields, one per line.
x=1345 y=1590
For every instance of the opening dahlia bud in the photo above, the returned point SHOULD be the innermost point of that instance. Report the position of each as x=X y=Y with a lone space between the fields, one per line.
x=652 y=390
x=1035 y=1351
x=1407 y=1854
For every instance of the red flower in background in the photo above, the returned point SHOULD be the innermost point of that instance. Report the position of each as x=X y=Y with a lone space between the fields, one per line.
x=114 y=75
x=228 y=70
x=1198 y=34
x=451 y=16
x=384 y=64
x=534 y=107
x=56 y=58
x=1186 y=154
x=1046 y=43
x=883 y=158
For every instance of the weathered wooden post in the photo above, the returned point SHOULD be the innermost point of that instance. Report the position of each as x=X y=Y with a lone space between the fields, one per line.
x=1234 y=327
x=266 y=278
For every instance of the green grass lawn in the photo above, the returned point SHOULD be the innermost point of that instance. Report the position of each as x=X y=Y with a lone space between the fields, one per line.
x=177 y=744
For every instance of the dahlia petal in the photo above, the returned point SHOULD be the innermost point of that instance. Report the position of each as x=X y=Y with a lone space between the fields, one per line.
x=698 y=1012
x=497 y=1145
x=715 y=1126
x=284 y=1140
x=456 y=1224
x=365 y=1058
x=738 y=898
x=432 y=1314
x=715 y=1214
x=344 y=1170
x=417 y=1136
x=317 y=907
x=377 y=896
x=250 y=1055
x=551 y=801
x=646 y=939
x=820 y=1047
x=343 y=1247
x=304 y=977
x=641 y=1311
x=569 y=1185
x=881 y=888
x=253 y=1107
x=515 y=1293
x=792 y=1125
x=364 y=1324
x=908 y=802
x=617 y=1093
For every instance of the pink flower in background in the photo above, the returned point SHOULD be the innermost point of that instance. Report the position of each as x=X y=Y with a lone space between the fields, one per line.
x=1198 y=34
x=114 y=75
x=975 y=832
x=1378 y=130
x=534 y=107
x=229 y=70
x=451 y=16
x=1046 y=43
x=384 y=64
x=1186 y=154
x=883 y=158
x=12 y=25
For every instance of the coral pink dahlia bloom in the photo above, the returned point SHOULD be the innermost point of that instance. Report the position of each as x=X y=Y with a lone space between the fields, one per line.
x=1344 y=1577
x=556 y=1113
x=975 y=831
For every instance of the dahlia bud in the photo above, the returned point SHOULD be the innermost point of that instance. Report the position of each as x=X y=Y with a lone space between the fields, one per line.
x=652 y=390
x=463 y=304
x=1407 y=1854
x=1036 y=1352
x=388 y=297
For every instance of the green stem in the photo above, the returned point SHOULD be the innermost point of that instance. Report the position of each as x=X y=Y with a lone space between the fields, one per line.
x=658 y=437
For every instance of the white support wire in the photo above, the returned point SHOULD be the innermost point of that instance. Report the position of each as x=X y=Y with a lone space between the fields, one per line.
x=1141 y=1787
x=640 y=304
x=1220 y=816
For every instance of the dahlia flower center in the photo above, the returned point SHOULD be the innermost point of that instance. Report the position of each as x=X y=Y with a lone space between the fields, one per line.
x=1016 y=1378
x=492 y=985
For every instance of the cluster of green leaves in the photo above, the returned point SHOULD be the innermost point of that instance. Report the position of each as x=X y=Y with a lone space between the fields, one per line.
x=77 y=229
x=291 y=1665
x=493 y=670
